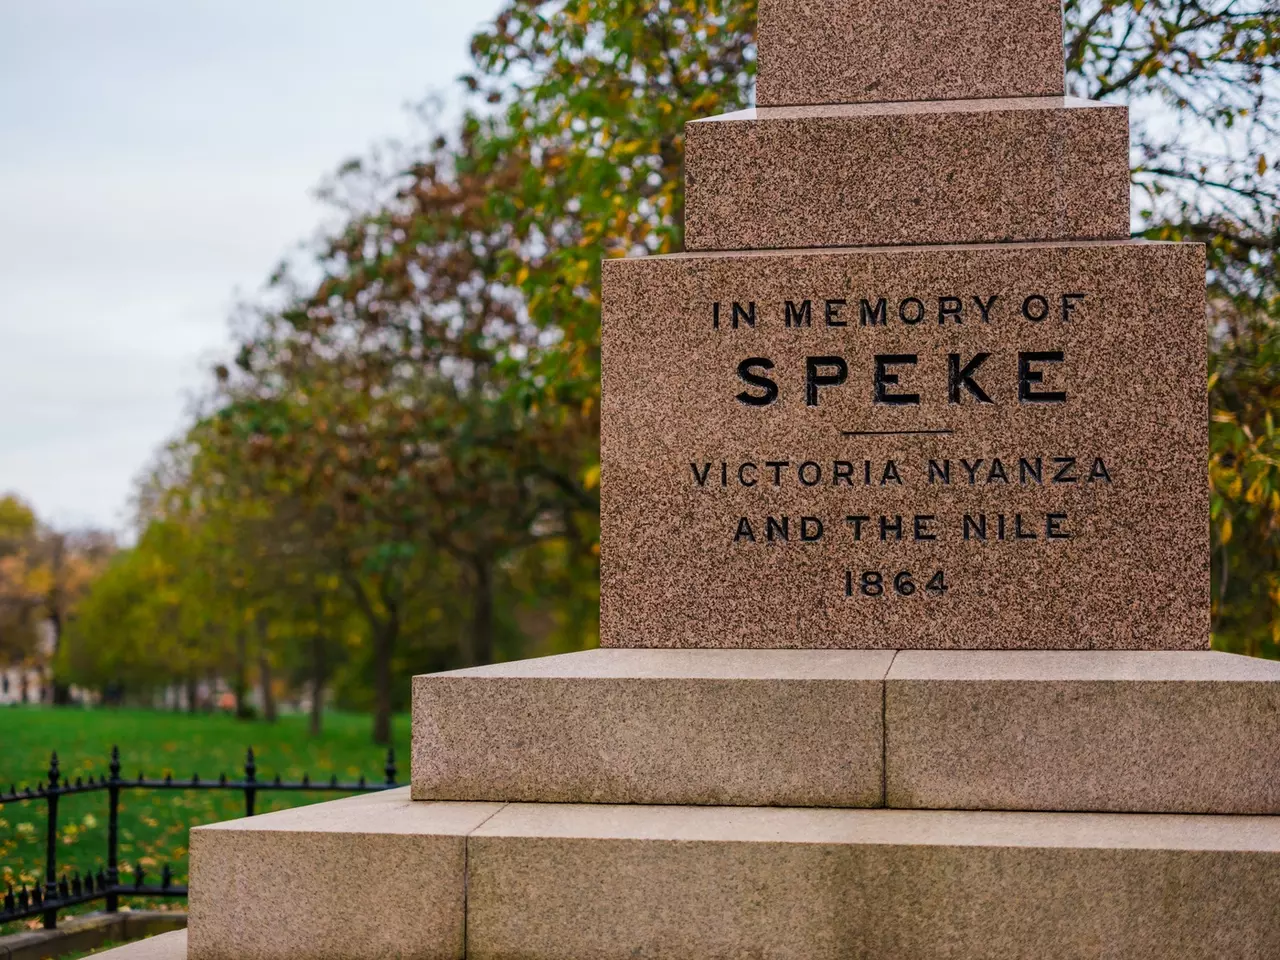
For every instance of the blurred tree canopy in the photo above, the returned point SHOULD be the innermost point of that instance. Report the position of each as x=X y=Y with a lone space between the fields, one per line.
x=45 y=576
x=398 y=472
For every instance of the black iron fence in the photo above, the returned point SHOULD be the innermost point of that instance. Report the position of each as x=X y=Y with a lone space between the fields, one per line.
x=58 y=893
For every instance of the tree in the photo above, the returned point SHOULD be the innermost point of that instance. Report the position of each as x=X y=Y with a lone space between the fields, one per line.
x=20 y=598
x=380 y=405
x=44 y=575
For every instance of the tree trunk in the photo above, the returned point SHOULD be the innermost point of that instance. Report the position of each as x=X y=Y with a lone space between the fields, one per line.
x=264 y=672
x=59 y=692
x=240 y=680
x=317 y=683
x=193 y=693
x=481 y=651
x=385 y=631
x=384 y=642
x=264 y=678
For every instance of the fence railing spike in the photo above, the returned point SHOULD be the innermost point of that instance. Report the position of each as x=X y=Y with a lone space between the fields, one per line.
x=114 y=766
x=53 y=769
x=390 y=768
x=138 y=874
x=166 y=878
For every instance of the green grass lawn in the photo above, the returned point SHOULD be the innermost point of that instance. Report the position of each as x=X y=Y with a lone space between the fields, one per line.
x=154 y=823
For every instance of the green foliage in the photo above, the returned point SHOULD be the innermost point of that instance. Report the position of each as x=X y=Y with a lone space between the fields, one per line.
x=593 y=97
x=1244 y=470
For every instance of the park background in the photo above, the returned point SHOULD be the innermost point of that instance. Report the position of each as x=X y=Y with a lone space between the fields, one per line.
x=394 y=467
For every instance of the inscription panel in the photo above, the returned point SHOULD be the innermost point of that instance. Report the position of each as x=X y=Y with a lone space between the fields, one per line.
x=981 y=447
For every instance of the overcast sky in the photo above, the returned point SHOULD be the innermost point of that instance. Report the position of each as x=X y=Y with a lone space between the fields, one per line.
x=157 y=159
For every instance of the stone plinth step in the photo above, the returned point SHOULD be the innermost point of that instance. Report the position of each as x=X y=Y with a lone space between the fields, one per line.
x=737 y=727
x=1151 y=731
x=562 y=882
x=373 y=876
x=384 y=877
x=853 y=51
x=1180 y=732
x=964 y=171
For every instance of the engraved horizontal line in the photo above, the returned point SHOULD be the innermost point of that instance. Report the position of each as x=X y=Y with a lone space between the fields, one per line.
x=895 y=433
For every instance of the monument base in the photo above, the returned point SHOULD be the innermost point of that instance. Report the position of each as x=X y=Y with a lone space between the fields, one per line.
x=1085 y=731
x=383 y=876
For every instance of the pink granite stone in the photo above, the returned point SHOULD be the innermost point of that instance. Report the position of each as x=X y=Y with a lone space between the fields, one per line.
x=1048 y=168
x=855 y=51
x=1029 y=470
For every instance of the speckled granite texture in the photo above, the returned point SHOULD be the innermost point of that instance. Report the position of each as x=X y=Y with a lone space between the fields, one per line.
x=1107 y=549
x=558 y=882
x=374 y=876
x=1037 y=730
x=384 y=877
x=850 y=51
x=912 y=173
x=742 y=727
x=1080 y=731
